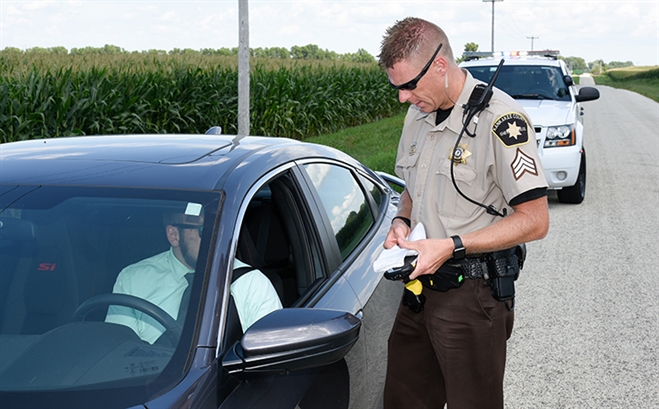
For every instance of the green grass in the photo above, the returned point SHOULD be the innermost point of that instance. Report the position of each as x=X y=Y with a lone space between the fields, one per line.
x=374 y=144
x=643 y=80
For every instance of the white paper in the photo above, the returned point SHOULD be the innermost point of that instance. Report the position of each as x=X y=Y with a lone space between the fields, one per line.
x=395 y=256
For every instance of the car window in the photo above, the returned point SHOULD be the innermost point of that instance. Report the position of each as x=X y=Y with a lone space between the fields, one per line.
x=526 y=81
x=277 y=237
x=61 y=252
x=375 y=193
x=344 y=202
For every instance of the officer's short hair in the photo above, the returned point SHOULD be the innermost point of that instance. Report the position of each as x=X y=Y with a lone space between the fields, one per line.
x=410 y=39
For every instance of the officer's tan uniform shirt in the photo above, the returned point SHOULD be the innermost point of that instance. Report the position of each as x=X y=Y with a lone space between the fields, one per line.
x=497 y=165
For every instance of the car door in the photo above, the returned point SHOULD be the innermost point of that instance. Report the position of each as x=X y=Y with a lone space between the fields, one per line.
x=356 y=209
x=306 y=228
x=278 y=233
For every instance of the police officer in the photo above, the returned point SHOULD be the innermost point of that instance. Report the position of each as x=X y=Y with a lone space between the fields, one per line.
x=454 y=350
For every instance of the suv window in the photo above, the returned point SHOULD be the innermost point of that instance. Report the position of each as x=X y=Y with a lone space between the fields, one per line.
x=526 y=81
x=345 y=204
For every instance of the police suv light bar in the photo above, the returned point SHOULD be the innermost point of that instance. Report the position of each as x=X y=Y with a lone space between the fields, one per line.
x=474 y=55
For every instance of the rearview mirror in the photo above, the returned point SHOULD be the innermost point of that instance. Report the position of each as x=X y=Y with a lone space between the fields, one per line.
x=292 y=339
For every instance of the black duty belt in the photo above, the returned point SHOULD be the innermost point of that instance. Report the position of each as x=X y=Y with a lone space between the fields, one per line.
x=473 y=267
x=477 y=266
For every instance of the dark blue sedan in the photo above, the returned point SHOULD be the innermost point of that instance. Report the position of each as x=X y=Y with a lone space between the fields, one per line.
x=81 y=218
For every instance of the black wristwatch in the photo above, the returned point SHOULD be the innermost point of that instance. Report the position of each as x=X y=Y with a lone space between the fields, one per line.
x=459 y=250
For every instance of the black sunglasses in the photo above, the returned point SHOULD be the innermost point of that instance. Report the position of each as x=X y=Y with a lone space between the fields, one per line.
x=410 y=85
x=198 y=227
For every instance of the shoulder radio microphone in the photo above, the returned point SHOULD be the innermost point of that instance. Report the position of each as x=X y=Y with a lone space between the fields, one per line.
x=478 y=100
x=481 y=95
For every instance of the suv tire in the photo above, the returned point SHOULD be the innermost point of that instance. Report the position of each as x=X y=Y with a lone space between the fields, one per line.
x=575 y=194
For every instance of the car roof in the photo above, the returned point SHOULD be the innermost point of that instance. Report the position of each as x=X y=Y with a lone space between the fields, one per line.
x=161 y=161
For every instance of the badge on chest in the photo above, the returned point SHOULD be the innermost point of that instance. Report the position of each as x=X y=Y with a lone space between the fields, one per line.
x=460 y=154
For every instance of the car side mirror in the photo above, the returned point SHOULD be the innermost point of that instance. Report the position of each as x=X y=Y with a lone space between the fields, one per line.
x=292 y=339
x=587 y=94
x=214 y=130
x=567 y=79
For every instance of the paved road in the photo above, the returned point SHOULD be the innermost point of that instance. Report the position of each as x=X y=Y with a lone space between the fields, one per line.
x=587 y=314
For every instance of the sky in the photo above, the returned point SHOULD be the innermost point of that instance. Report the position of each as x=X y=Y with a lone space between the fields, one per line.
x=592 y=30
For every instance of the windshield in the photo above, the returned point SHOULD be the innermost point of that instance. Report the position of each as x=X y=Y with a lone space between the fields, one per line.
x=82 y=307
x=526 y=81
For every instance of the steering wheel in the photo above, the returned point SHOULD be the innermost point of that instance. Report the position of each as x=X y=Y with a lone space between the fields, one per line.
x=173 y=329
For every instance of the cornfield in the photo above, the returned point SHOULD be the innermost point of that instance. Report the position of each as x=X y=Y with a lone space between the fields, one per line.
x=61 y=95
x=633 y=73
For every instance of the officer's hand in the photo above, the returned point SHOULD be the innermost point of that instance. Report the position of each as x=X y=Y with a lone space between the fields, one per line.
x=432 y=254
x=398 y=231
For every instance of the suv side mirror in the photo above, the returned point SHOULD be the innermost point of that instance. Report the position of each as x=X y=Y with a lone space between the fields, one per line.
x=587 y=94
x=568 y=80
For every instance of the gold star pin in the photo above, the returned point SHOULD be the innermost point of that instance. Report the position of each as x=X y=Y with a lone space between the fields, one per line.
x=460 y=154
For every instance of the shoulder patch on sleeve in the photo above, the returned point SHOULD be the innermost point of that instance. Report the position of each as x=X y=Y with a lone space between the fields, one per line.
x=522 y=164
x=511 y=129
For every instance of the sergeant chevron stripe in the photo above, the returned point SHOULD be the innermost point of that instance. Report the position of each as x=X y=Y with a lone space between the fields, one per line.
x=523 y=163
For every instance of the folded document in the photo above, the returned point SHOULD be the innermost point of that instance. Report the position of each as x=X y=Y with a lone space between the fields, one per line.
x=395 y=256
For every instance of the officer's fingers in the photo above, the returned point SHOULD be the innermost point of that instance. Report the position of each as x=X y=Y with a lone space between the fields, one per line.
x=391 y=239
x=415 y=274
x=429 y=260
x=406 y=244
x=422 y=269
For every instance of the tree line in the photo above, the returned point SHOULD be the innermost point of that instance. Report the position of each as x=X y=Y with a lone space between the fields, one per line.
x=576 y=64
x=305 y=52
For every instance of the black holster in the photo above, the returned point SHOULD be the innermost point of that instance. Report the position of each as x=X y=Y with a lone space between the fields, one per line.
x=503 y=269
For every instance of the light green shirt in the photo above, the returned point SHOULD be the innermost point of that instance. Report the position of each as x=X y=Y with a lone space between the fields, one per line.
x=254 y=295
x=161 y=280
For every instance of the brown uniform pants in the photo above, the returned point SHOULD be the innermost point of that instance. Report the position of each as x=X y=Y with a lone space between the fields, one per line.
x=454 y=351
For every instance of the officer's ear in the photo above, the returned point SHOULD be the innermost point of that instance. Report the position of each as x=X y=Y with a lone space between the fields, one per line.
x=440 y=64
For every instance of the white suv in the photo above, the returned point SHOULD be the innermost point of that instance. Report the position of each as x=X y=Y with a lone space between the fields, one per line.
x=542 y=85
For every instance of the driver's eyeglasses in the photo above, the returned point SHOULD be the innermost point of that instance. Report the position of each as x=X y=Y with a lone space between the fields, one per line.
x=198 y=227
x=411 y=85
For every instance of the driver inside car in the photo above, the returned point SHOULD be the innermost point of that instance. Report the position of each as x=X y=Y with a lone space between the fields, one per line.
x=163 y=279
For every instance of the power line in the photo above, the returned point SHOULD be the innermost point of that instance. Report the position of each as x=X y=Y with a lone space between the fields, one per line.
x=532 y=38
x=514 y=28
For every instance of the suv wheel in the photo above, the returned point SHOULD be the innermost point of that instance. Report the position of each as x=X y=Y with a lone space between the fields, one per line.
x=575 y=194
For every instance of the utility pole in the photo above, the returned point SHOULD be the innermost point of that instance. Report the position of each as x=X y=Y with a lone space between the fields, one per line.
x=492 y=1
x=532 y=38
x=243 y=68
